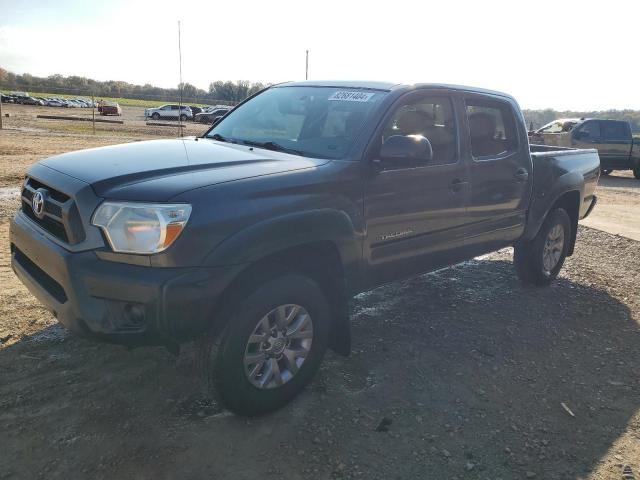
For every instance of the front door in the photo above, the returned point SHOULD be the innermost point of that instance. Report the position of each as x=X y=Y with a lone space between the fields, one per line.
x=415 y=214
x=588 y=135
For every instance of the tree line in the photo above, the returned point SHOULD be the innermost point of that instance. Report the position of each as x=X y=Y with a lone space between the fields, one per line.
x=225 y=91
x=232 y=92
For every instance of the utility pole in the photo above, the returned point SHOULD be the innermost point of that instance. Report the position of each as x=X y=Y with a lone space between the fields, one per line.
x=93 y=112
x=0 y=111
x=306 y=67
x=180 y=85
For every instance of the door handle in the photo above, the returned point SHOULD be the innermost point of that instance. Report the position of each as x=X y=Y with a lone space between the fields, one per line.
x=456 y=185
x=522 y=175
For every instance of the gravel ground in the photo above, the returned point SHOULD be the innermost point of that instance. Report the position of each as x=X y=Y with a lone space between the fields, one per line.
x=459 y=374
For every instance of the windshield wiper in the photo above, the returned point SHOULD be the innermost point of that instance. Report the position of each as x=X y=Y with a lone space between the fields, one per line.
x=218 y=137
x=276 y=147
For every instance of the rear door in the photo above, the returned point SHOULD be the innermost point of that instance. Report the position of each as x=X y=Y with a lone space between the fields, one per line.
x=416 y=214
x=615 y=146
x=501 y=171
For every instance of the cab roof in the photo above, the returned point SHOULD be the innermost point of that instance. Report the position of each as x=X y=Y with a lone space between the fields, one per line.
x=389 y=86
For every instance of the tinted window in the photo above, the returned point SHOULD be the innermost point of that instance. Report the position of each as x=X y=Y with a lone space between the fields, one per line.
x=492 y=128
x=615 y=131
x=431 y=117
x=590 y=130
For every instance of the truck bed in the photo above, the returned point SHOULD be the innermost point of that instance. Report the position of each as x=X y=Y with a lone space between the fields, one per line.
x=553 y=167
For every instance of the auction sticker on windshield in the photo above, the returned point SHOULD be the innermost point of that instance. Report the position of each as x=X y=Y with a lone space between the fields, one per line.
x=345 y=96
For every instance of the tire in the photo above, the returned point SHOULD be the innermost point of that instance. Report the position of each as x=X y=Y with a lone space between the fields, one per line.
x=254 y=389
x=538 y=262
x=636 y=172
x=183 y=117
x=605 y=172
x=155 y=116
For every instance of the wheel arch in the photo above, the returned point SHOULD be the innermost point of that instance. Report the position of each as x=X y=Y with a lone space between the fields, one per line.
x=568 y=200
x=320 y=261
x=322 y=244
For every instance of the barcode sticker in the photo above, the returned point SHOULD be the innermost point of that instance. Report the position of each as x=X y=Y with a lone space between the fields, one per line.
x=344 y=96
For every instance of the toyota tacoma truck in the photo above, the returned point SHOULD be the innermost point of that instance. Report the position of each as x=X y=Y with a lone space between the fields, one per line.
x=252 y=238
x=617 y=148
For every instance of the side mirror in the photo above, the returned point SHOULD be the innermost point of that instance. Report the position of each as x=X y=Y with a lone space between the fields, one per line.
x=414 y=149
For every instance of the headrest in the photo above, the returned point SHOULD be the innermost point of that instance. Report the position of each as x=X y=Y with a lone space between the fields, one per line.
x=482 y=125
x=413 y=121
x=353 y=122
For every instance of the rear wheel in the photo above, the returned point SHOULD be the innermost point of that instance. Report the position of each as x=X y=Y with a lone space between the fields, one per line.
x=272 y=346
x=183 y=117
x=539 y=261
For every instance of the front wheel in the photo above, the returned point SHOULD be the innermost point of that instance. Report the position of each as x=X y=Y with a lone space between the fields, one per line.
x=155 y=116
x=272 y=345
x=605 y=172
x=636 y=172
x=539 y=261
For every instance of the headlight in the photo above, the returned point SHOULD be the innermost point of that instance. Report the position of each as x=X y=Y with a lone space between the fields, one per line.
x=142 y=228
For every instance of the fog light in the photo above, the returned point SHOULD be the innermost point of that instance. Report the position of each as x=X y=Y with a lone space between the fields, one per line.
x=134 y=314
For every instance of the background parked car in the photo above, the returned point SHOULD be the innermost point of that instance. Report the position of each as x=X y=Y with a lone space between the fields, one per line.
x=195 y=110
x=31 y=101
x=52 y=102
x=170 y=111
x=208 y=115
x=613 y=139
x=110 y=108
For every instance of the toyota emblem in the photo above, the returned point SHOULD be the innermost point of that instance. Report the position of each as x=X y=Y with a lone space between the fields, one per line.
x=37 y=203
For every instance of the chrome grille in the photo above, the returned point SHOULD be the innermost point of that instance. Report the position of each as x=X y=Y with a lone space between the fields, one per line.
x=60 y=217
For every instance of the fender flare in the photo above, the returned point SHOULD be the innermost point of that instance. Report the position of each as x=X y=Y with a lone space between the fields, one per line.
x=543 y=202
x=280 y=233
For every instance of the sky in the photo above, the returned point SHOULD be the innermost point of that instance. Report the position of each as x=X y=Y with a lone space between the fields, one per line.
x=578 y=55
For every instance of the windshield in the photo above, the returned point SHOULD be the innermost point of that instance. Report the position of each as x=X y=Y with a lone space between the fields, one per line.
x=558 y=127
x=313 y=121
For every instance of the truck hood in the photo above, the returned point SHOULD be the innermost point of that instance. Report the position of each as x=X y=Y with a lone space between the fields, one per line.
x=158 y=170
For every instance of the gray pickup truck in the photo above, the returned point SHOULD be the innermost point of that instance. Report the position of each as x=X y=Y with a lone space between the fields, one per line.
x=613 y=139
x=252 y=238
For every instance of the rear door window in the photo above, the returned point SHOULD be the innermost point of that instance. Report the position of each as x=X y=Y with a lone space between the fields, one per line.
x=616 y=131
x=492 y=128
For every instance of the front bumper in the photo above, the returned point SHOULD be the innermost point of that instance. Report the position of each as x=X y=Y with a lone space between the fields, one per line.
x=592 y=204
x=115 y=302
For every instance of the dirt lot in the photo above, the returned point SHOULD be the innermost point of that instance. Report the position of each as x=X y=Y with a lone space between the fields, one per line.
x=619 y=206
x=469 y=369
